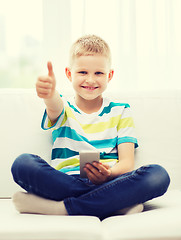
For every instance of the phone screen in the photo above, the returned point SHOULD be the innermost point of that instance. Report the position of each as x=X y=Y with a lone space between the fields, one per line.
x=87 y=157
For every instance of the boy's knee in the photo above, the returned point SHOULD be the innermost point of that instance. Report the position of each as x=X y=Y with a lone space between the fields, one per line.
x=162 y=174
x=159 y=178
x=19 y=163
x=20 y=160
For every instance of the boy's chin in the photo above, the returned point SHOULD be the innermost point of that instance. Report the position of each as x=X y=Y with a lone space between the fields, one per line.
x=92 y=98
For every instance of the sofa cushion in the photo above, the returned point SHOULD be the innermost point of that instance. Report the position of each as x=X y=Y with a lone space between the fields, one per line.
x=161 y=220
x=20 y=128
x=15 y=226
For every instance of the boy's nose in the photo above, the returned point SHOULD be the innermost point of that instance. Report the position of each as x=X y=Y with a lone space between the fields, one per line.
x=90 y=79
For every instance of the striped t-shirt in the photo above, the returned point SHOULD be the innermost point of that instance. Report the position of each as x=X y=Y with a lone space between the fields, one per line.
x=77 y=131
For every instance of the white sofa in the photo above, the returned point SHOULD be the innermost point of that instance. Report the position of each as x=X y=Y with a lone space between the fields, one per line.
x=158 y=122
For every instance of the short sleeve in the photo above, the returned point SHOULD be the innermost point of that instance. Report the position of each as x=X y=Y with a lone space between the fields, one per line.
x=126 y=128
x=46 y=123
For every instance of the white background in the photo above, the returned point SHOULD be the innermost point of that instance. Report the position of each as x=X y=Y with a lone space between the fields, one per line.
x=144 y=37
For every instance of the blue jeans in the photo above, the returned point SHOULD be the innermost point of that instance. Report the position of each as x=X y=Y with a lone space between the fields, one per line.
x=80 y=196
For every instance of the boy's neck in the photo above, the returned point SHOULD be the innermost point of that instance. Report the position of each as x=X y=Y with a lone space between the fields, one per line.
x=89 y=106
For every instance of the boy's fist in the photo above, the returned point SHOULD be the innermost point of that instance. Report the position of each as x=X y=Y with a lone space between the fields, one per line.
x=45 y=85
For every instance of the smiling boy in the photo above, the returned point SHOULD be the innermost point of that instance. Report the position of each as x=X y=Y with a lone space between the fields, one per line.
x=90 y=75
x=87 y=122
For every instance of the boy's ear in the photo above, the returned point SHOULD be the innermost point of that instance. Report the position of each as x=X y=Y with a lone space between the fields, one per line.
x=111 y=73
x=68 y=73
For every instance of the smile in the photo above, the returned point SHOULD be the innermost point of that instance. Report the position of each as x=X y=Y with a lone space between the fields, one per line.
x=89 y=88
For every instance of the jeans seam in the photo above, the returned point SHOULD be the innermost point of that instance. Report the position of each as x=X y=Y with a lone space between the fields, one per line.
x=111 y=183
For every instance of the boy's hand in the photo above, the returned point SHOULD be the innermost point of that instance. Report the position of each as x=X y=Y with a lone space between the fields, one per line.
x=45 y=85
x=98 y=173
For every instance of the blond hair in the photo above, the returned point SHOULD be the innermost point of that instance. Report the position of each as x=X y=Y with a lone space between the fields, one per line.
x=89 y=45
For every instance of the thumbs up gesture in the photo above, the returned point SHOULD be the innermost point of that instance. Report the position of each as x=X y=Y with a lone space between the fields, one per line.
x=45 y=85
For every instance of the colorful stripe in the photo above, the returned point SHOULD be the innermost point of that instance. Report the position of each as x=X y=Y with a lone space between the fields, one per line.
x=75 y=131
x=108 y=109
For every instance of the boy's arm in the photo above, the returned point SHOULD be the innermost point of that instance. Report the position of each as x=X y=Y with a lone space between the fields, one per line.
x=126 y=159
x=45 y=87
x=54 y=107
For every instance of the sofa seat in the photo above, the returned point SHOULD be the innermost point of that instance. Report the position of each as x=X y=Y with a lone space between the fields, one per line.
x=16 y=226
x=161 y=219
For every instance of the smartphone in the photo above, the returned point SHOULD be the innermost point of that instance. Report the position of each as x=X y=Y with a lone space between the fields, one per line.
x=87 y=157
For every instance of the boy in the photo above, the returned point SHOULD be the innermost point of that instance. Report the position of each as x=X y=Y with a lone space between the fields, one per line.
x=87 y=122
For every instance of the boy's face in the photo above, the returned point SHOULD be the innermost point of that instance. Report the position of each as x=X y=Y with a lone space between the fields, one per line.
x=89 y=76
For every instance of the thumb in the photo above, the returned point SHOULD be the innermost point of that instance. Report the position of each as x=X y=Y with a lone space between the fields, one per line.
x=50 y=69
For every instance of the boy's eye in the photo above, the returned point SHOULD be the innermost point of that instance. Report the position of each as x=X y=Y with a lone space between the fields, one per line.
x=99 y=73
x=82 y=72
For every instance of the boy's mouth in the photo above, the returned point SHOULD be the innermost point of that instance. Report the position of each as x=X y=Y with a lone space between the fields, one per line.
x=89 y=88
